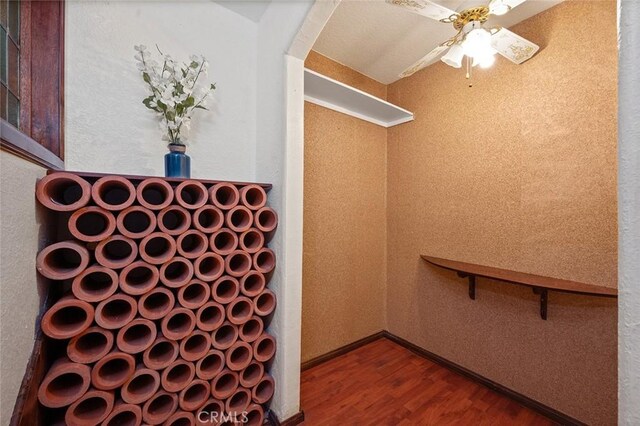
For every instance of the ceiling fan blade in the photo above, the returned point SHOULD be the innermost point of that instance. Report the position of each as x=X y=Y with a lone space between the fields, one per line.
x=428 y=59
x=512 y=46
x=425 y=8
x=502 y=6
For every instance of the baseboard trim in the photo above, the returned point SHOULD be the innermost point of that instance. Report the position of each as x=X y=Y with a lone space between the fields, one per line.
x=294 y=420
x=341 y=351
x=532 y=404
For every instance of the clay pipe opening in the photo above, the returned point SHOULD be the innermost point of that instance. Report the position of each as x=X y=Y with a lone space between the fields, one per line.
x=251 y=330
x=113 y=371
x=91 y=409
x=91 y=224
x=208 y=219
x=161 y=353
x=194 y=295
x=157 y=248
x=116 y=252
x=266 y=220
x=178 y=323
x=254 y=415
x=194 y=395
x=237 y=403
x=139 y=278
x=136 y=336
x=124 y=415
x=252 y=283
x=239 y=219
x=154 y=193
x=224 y=384
x=264 y=260
x=156 y=304
x=64 y=383
x=144 y=383
x=263 y=391
x=159 y=407
x=239 y=310
x=225 y=289
x=181 y=418
x=209 y=266
x=264 y=347
x=195 y=346
x=63 y=192
x=116 y=311
x=253 y=196
x=238 y=263
x=192 y=244
x=113 y=193
x=210 y=365
x=177 y=376
x=210 y=316
x=224 y=195
x=95 y=284
x=67 y=318
x=251 y=375
x=174 y=220
x=90 y=346
x=225 y=336
x=223 y=241
x=251 y=240
x=265 y=303
x=176 y=273
x=136 y=222
x=213 y=409
x=239 y=356
x=63 y=260
x=191 y=194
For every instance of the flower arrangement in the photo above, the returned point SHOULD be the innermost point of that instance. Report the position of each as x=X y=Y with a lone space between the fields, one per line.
x=172 y=91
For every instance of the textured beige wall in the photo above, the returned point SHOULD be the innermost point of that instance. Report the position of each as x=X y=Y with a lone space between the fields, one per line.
x=517 y=172
x=344 y=262
x=20 y=237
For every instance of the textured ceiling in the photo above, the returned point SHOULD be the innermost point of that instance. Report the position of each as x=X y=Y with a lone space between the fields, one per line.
x=381 y=40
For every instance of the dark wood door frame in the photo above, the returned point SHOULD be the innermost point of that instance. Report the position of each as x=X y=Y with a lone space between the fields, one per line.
x=41 y=86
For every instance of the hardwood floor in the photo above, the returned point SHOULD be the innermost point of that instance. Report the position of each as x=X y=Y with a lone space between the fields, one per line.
x=383 y=383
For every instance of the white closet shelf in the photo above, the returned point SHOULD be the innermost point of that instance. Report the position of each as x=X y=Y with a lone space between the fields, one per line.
x=332 y=94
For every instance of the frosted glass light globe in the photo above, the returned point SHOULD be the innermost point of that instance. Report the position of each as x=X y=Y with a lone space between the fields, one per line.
x=477 y=43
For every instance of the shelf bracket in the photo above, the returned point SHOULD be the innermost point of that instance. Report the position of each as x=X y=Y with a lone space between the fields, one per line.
x=472 y=284
x=544 y=297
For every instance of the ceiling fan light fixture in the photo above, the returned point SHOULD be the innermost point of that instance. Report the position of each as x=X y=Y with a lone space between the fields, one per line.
x=499 y=8
x=477 y=43
x=454 y=56
x=486 y=60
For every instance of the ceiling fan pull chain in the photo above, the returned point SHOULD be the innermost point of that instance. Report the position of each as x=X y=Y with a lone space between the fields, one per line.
x=469 y=71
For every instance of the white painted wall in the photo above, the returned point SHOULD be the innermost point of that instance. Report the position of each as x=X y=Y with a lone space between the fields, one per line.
x=21 y=237
x=277 y=162
x=629 y=214
x=107 y=129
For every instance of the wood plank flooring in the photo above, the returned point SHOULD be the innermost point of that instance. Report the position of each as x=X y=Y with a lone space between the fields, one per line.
x=383 y=383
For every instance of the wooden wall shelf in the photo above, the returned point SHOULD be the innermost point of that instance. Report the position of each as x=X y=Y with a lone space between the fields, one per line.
x=540 y=284
x=329 y=93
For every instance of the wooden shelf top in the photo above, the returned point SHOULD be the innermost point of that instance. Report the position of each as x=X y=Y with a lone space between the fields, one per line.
x=537 y=281
x=92 y=175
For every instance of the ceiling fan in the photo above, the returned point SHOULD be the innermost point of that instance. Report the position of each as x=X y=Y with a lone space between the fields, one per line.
x=475 y=41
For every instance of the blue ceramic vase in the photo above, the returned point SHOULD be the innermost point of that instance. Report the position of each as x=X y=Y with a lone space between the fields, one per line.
x=176 y=162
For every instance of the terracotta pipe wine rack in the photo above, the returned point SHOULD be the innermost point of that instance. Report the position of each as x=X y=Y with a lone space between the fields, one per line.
x=540 y=285
x=165 y=300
